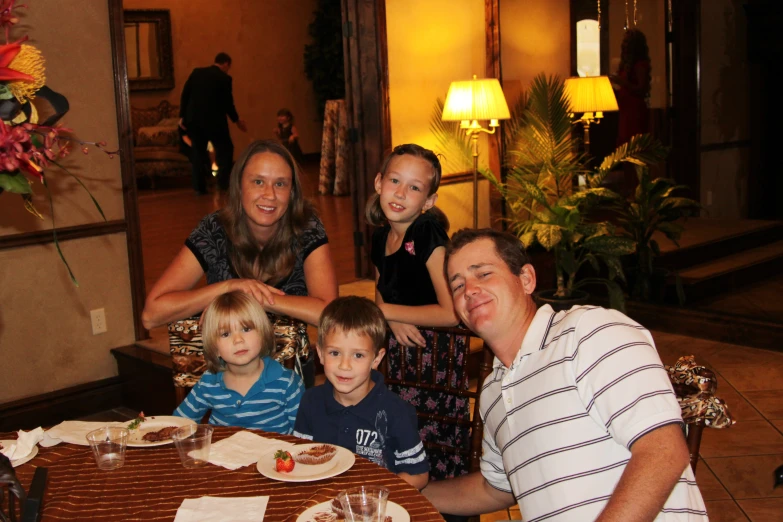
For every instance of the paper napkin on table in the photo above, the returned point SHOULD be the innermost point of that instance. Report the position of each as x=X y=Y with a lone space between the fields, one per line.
x=242 y=449
x=225 y=509
x=74 y=432
x=25 y=442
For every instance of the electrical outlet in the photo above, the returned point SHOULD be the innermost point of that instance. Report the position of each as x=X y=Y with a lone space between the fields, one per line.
x=98 y=317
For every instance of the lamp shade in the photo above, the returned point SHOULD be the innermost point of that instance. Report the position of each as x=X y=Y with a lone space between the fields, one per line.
x=591 y=94
x=475 y=100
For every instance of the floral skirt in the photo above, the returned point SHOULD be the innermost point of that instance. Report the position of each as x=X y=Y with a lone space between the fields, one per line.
x=442 y=464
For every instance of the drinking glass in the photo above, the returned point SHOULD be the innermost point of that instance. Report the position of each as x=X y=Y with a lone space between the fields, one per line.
x=193 y=442
x=364 y=504
x=108 y=446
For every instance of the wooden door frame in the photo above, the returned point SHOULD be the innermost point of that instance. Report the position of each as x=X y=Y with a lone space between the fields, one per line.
x=125 y=138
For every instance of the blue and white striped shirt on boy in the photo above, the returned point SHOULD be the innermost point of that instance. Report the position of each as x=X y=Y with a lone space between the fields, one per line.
x=270 y=405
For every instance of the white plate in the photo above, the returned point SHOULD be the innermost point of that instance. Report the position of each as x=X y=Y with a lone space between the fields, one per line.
x=27 y=458
x=396 y=511
x=340 y=463
x=154 y=424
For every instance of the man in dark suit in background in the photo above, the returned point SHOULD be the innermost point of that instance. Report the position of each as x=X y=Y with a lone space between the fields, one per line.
x=206 y=100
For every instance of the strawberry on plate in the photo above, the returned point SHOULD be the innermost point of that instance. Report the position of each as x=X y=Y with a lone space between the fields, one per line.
x=284 y=463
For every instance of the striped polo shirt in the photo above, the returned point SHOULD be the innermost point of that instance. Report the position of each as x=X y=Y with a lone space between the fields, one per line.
x=558 y=424
x=270 y=405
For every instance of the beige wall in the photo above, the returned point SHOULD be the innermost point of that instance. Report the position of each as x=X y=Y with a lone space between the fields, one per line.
x=45 y=338
x=535 y=38
x=427 y=51
x=265 y=39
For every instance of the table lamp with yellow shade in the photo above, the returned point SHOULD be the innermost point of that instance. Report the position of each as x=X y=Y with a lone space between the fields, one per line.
x=471 y=102
x=592 y=96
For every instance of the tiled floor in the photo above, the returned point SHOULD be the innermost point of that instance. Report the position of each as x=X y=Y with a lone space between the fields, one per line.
x=735 y=473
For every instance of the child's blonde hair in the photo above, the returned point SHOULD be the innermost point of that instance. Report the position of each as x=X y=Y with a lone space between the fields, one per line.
x=242 y=308
x=373 y=211
x=353 y=314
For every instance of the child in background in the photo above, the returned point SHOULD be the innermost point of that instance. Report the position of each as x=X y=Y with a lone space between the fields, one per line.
x=408 y=251
x=353 y=408
x=242 y=386
x=287 y=134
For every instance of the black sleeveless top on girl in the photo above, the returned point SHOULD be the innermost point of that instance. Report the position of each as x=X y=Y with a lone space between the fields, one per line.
x=404 y=278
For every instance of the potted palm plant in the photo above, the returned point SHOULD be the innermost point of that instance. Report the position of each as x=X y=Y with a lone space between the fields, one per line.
x=655 y=207
x=545 y=202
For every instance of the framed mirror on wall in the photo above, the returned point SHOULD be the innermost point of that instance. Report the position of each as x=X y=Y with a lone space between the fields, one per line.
x=148 y=49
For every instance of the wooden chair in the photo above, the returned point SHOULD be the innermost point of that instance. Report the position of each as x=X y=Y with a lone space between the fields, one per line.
x=30 y=503
x=695 y=387
x=472 y=451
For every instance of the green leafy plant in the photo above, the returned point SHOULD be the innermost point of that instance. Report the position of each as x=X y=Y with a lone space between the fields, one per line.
x=323 y=58
x=655 y=207
x=547 y=204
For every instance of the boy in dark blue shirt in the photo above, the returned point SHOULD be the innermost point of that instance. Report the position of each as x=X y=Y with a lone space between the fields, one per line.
x=353 y=408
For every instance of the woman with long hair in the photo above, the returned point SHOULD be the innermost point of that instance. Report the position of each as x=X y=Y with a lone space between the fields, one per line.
x=267 y=242
x=633 y=80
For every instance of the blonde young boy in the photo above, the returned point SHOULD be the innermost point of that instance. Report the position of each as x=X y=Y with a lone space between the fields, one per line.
x=353 y=408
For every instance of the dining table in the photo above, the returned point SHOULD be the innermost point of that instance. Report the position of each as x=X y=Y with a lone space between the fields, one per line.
x=152 y=484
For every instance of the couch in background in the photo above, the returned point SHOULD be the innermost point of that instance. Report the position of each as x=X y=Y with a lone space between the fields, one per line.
x=156 y=151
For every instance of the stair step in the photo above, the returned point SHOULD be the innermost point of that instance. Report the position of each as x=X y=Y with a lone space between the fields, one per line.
x=705 y=240
x=732 y=271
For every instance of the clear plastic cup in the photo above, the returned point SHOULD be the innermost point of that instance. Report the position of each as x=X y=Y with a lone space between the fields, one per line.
x=108 y=446
x=364 y=504
x=193 y=442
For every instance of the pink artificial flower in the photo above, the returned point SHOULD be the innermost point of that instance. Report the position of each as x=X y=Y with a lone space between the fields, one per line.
x=409 y=248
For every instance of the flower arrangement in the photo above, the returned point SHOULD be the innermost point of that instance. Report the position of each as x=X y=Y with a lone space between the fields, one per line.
x=29 y=147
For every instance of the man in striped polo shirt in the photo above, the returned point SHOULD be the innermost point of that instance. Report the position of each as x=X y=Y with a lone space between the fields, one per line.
x=580 y=419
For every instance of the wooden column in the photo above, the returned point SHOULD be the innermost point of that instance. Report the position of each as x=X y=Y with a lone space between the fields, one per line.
x=495 y=147
x=684 y=160
x=367 y=105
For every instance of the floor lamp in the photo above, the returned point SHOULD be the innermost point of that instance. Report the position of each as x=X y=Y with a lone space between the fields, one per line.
x=469 y=102
x=592 y=96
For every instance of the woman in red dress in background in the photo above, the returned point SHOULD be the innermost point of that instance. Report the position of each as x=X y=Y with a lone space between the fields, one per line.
x=632 y=84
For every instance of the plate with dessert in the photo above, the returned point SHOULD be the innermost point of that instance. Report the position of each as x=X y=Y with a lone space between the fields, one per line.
x=305 y=462
x=154 y=431
x=333 y=512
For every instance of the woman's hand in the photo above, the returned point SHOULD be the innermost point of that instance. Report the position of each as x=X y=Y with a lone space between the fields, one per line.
x=407 y=334
x=261 y=292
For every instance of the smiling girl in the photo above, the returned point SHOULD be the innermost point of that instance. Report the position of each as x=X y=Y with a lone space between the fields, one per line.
x=411 y=290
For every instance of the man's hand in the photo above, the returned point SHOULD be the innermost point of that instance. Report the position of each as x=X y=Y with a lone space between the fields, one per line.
x=241 y=125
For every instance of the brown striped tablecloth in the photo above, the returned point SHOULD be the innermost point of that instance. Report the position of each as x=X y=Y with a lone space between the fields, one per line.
x=152 y=484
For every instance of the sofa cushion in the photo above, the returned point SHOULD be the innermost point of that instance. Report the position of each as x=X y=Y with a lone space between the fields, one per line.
x=157 y=136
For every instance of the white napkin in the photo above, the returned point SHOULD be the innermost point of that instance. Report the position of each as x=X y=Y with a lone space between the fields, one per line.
x=242 y=449
x=225 y=509
x=74 y=432
x=25 y=442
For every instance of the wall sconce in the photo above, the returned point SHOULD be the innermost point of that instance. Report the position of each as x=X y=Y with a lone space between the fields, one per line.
x=592 y=96
x=469 y=102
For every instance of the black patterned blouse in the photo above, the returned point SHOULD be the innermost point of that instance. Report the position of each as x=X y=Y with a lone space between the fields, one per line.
x=209 y=243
